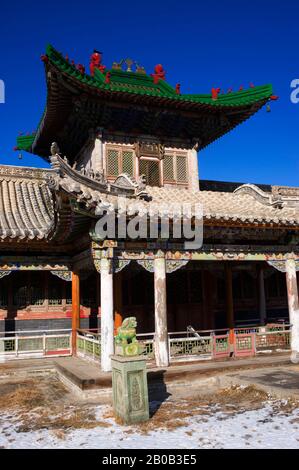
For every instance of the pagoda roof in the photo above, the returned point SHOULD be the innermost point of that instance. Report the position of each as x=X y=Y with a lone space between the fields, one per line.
x=58 y=205
x=131 y=102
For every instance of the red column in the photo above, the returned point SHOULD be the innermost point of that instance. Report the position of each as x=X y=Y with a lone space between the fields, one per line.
x=229 y=301
x=75 y=310
x=118 y=317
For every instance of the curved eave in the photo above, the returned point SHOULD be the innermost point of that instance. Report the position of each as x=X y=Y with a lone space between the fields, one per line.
x=60 y=74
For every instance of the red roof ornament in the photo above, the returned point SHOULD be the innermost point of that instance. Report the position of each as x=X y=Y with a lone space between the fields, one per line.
x=241 y=88
x=159 y=73
x=178 y=88
x=251 y=85
x=274 y=97
x=81 y=68
x=108 y=78
x=95 y=62
x=215 y=93
x=44 y=58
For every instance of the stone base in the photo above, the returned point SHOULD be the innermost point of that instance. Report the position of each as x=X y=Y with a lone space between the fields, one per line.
x=129 y=388
x=295 y=357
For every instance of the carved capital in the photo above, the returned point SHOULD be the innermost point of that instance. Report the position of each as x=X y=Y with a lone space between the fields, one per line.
x=4 y=273
x=281 y=265
x=64 y=275
x=173 y=265
x=117 y=265
x=147 y=264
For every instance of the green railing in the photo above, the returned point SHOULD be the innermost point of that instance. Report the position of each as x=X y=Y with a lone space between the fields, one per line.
x=35 y=343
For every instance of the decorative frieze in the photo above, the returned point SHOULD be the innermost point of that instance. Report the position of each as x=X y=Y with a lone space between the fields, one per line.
x=33 y=266
x=64 y=275
x=281 y=265
x=147 y=264
x=117 y=265
x=149 y=148
x=172 y=265
x=4 y=273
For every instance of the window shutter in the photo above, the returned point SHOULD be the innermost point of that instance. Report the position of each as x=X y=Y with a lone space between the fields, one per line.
x=127 y=163
x=168 y=168
x=150 y=169
x=112 y=163
x=181 y=168
x=153 y=173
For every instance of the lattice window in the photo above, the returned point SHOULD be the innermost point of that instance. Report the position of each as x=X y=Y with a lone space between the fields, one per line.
x=113 y=162
x=127 y=162
x=119 y=161
x=55 y=290
x=243 y=286
x=150 y=169
x=88 y=292
x=37 y=289
x=168 y=168
x=20 y=289
x=181 y=169
x=3 y=293
x=275 y=286
x=195 y=287
x=20 y=296
x=68 y=293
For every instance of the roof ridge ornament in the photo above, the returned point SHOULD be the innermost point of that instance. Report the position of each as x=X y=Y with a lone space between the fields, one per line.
x=280 y=196
x=129 y=63
x=86 y=180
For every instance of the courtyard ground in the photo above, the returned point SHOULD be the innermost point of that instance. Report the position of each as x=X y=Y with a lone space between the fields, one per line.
x=39 y=412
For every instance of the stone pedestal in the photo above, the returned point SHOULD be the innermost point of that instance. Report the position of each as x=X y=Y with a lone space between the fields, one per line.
x=130 y=391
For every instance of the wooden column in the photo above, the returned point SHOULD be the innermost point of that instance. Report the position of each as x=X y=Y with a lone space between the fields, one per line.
x=293 y=303
x=107 y=314
x=75 y=310
x=229 y=300
x=161 y=332
x=261 y=294
x=118 y=317
x=207 y=299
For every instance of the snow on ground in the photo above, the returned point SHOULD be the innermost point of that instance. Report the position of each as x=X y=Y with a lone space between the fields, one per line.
x=40 y=413
x=266 y=427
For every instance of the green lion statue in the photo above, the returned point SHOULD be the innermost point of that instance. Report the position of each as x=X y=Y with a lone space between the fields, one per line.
x=126 y=343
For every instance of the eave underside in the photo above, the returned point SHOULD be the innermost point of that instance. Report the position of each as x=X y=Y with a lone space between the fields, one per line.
x=73 y=109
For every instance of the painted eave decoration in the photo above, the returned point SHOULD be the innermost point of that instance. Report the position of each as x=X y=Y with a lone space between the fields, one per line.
x=136 y=88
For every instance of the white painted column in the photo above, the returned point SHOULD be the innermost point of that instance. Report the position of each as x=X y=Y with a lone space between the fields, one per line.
x=262 y=296
x=107 y=323
x=293 y=308
x=97 y=154
x=193 y=170
x=161 y=332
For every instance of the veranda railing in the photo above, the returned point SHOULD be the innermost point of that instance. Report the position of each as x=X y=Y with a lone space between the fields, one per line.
x=183 y=345
x=35 y=343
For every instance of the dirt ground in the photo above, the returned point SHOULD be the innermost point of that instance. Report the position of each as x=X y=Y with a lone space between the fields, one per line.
x=44 y=403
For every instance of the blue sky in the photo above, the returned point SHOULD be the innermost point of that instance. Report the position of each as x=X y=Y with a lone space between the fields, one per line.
x=201 y=44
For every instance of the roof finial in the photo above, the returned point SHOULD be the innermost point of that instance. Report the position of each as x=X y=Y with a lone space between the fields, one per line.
x=178 y=88
x=95 y=62
x=159 y=73
x=55 y=149
x=215 y=93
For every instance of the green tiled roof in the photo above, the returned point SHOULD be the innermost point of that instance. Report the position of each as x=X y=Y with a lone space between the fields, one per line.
x=25 y=142
x=142 y=84
x=134 y=87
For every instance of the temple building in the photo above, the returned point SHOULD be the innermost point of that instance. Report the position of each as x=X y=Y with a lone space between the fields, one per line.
x=122 y=133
